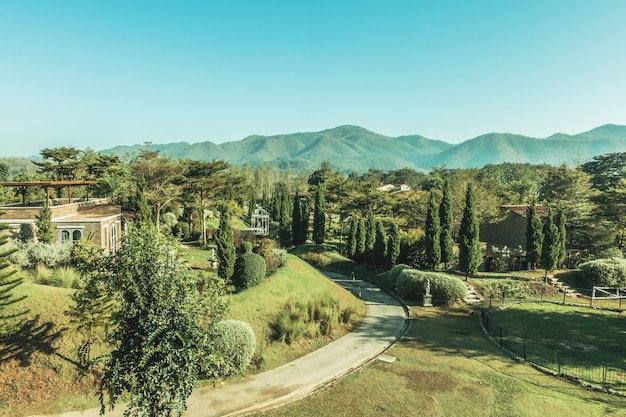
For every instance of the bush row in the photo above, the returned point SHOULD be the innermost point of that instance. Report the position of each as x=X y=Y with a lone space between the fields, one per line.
x=605 y=272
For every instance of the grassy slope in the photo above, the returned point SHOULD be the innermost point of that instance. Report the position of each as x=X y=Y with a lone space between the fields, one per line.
x=46 y=384
x=446 y=367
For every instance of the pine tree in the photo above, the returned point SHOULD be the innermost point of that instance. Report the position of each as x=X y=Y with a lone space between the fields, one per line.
x=393 y=245
x=534 y=236
x=433 y=231
x=351 y=242
x=379 y=252
x=469 y=240
x=370 y=237
x=560 y=224
x=7 y=283
x=319 y=216
x=43 y=221
x=551 y=245
x=446 y=221
x=296 y=219
x=226 y=253
x=305 y=213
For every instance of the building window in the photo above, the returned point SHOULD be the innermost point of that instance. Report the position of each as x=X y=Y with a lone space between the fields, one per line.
x=113 y=238
x=70 y=236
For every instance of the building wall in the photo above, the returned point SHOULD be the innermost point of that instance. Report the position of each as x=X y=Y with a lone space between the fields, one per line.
x=509 y=232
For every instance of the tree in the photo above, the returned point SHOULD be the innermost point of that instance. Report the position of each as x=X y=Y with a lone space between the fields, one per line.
x=550 y=247
x=8 y=282
x=143 y=212
x=560 y=224
x=470 y=255
x=393 y=245
x=534 y=236
x=361 y=248
x=446 y=220
x=379 y=252
x=296 y=222
x=351 y=242
x=433 y=233
x=370 y=237
x=226 y=253
x=43 y=221
x=159 y=344
x=319 y=216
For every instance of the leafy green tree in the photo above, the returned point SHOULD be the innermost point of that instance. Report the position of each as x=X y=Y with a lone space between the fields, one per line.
x=61 y=164
x=43 y=221
x=446 y=220
x=470 y=256
x=433 y=233
x=159 y=344
x=319 y=216
x=351 y=242
x=393 y=245
x=550 y=247
x=606 y=170
x=8 y=282
x=534 y=236
x=226 y=253
x=379 y=252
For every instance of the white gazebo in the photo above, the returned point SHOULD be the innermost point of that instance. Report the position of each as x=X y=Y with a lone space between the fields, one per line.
x=260 y=222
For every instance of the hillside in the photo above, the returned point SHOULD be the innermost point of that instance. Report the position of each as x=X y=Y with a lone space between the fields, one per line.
x=353 y=148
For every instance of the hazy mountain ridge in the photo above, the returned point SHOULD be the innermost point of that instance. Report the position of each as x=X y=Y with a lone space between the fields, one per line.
x=352 y=148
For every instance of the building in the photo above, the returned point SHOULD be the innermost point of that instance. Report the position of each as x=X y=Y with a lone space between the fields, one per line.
x=72 y=219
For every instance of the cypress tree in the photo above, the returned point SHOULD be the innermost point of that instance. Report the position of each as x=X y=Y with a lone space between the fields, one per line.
x=534 y=236
x=370 y=237
x=379 y=252
x=43 y=221
x=560 y=224
x=393 y=245
x=226 y=253
x=351 y=242
x=143 y=213
x=550 y=247
x=433 y=231
x=469 y=243
x=305 y=213
x=319 y=216
x=361 y=246
x=296 y=227
x=446 y=222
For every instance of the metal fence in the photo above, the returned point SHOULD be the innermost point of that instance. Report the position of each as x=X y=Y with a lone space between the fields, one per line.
x=559 y=361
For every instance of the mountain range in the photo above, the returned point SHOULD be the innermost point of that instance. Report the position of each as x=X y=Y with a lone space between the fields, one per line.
x=355 y=149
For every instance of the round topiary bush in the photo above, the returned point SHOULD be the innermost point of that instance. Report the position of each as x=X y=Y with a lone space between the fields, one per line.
x=605 y=272
x=249 y=271
x=445 y=290
x=235 y=342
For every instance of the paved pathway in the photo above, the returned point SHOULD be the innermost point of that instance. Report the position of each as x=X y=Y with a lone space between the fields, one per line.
x=385 y=322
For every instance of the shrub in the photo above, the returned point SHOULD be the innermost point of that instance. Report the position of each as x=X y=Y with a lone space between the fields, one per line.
x=235 y=341
x=395 y=272
x=605 y=272
x=182 y=230
x=245 y=247
x=249 y=271
x=31 y=254
x=444 y=289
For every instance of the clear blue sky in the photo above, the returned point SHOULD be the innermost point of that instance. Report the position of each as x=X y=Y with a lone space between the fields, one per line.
x=103 y=73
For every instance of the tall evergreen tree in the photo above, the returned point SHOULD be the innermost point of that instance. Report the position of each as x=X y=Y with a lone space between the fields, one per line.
x=351 y=242
x=446 y=221
x=143 y=212
x=226 y=253
x=433 y=232
x=370 y=237
x=534 y=236
x=8 y=281
x=393 y=245
x=305 y=214
x=560 y=224
x=43 y=221
x=550 y=247
x=470 y=255
x=319 y=216
x=296 y=227
x=379 y=252
x=361 y=246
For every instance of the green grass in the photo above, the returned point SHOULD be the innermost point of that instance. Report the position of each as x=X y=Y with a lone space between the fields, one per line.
x=561 y=327
x=445 y=366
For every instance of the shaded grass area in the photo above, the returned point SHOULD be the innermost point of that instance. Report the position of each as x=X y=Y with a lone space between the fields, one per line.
x=566 y=327
x=446 y=366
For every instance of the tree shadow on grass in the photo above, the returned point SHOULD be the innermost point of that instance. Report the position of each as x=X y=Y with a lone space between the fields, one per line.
x=31 y=337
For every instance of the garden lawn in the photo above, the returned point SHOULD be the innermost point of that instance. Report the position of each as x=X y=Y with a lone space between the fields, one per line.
x=446 y=366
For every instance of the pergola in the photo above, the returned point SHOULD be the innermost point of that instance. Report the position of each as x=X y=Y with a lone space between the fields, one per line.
x=47 y=185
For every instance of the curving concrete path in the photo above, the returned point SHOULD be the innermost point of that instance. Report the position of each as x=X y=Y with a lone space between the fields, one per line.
x=386 y=321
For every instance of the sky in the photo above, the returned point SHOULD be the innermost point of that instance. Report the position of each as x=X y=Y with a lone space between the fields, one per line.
x=97 y=74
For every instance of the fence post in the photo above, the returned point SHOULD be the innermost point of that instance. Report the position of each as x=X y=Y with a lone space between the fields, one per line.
x=524 y=348
x=603 y=373
x=593 y=295
x=558 y=362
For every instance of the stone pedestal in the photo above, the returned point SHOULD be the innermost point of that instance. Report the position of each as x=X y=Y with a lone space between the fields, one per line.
x=428 y=301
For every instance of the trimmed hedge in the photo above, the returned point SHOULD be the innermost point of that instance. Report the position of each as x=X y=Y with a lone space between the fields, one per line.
x=235 y=342
x=250 y=270
x=445 y=290
x=605 y=272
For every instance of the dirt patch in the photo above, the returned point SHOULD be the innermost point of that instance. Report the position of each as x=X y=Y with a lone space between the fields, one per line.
x=418 y=380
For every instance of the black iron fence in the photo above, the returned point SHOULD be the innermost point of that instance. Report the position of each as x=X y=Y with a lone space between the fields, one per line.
x=560 y=361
